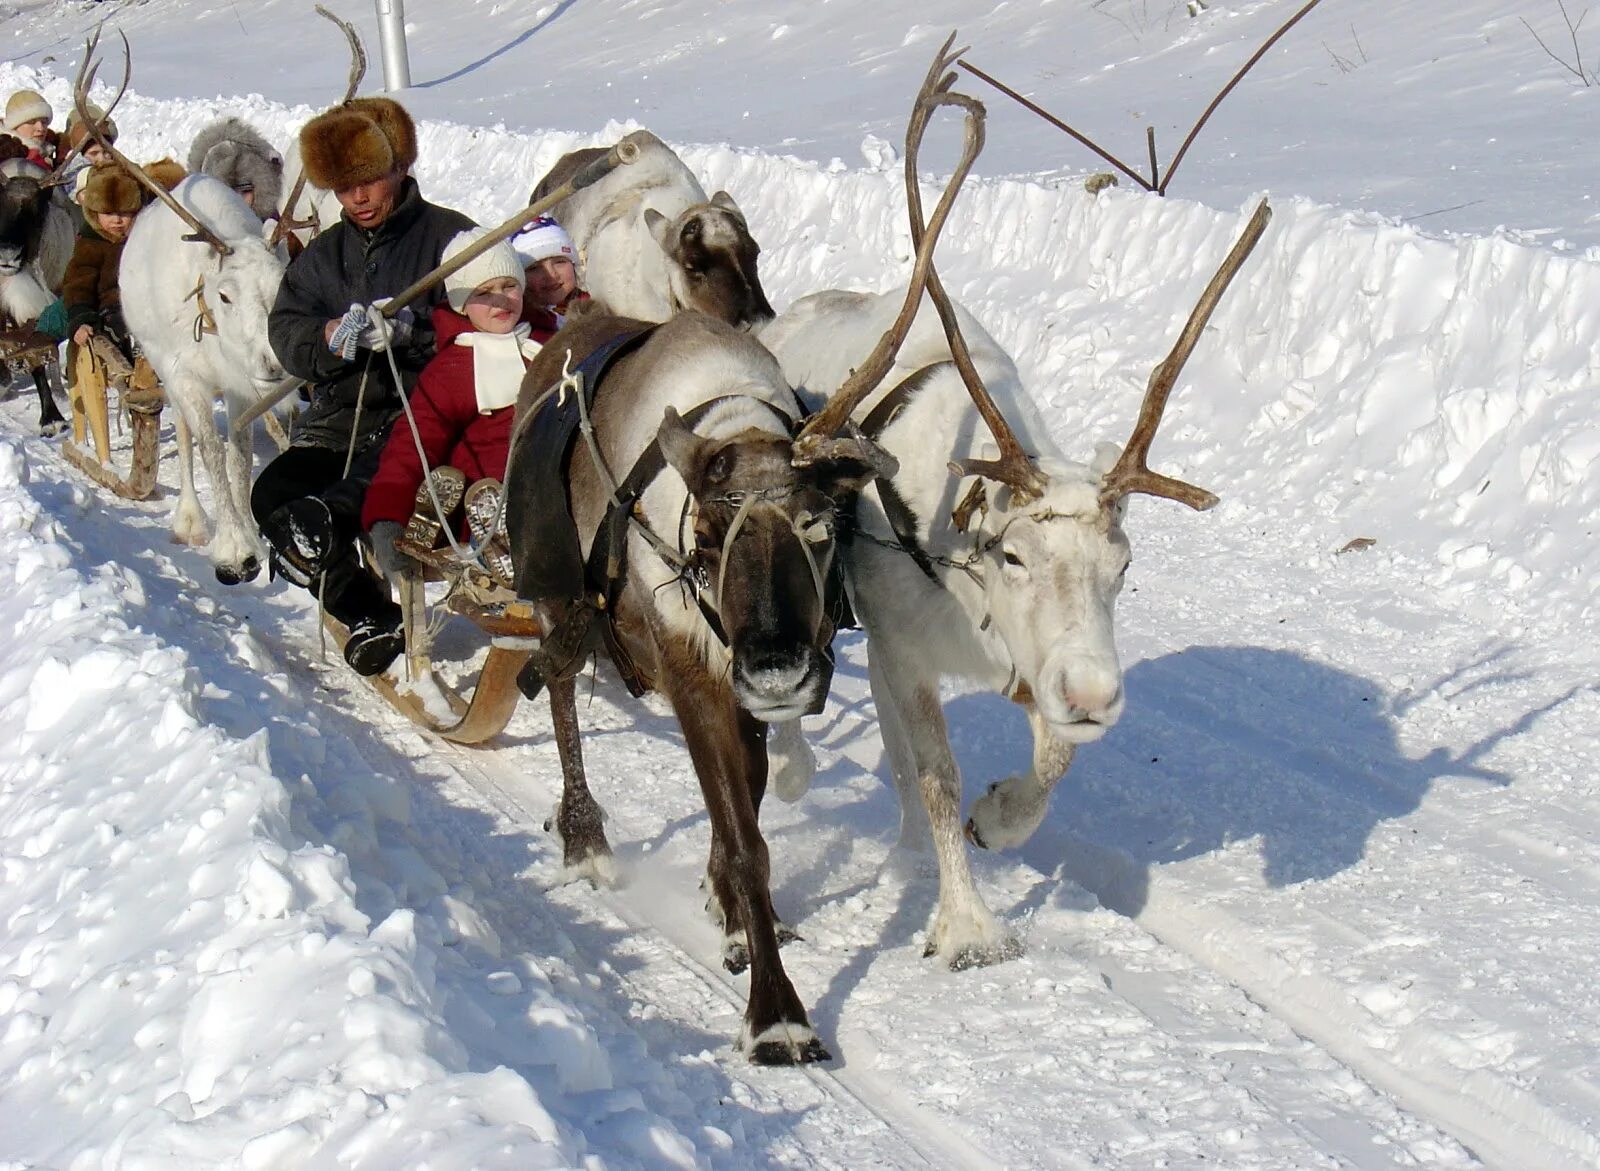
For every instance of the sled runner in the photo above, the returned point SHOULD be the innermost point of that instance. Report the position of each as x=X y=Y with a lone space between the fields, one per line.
x=93 y=369
x=487 y=601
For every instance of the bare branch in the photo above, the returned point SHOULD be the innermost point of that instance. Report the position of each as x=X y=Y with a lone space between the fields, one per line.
x=1228 y=89
x=358 y=70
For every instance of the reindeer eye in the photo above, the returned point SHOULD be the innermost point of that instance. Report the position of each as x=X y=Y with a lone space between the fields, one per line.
x=225 y=299
x=704 y=540
x=1012 y=558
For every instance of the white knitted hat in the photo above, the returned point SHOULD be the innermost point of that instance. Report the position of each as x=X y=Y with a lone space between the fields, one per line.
x=498 y=261
x=542 y=239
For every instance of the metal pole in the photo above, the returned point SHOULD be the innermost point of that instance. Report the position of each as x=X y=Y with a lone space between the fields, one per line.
x=392 y=37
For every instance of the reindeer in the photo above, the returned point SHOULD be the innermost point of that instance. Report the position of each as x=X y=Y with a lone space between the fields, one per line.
x=652 y=244
x=722 y=601
x=1004 y=571
x=197 y=284
x=36 y=238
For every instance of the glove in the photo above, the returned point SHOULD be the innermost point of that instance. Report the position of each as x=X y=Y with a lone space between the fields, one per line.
x=381 y=332
x=389 y=560
x=347 y=334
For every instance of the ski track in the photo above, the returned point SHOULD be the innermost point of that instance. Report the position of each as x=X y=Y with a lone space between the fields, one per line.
x=1237 y=1021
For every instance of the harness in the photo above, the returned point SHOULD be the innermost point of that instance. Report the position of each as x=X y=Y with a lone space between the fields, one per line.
x=204 y=323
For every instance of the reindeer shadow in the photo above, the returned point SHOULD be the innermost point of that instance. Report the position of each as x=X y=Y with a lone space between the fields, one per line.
x=1219 y=746
x=537 y=27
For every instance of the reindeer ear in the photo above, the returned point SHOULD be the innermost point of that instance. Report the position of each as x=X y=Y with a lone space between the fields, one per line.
x=723 y=200
x=660 y=227
x=683 y=450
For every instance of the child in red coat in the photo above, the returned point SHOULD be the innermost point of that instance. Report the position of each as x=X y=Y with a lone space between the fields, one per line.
x=464 y=398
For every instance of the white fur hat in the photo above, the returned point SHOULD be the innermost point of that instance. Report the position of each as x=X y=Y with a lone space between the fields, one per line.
x=542 y=239
x=498 y=261
x=25 y=106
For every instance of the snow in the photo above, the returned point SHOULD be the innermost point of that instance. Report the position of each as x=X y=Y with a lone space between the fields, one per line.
x=1323 y=897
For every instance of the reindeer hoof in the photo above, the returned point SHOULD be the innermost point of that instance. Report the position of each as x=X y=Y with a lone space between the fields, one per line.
x=53 y=428
x=787 y=1044
x=735 y=955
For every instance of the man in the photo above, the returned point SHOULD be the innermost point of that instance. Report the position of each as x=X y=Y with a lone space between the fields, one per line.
x=324 y=329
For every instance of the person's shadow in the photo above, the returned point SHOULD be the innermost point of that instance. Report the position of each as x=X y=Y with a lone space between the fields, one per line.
x=1221 y=746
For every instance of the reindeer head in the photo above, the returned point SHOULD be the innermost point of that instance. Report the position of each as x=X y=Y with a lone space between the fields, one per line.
x=24 y=205
x=712 y=262
x=239 y=296
x=764 y=545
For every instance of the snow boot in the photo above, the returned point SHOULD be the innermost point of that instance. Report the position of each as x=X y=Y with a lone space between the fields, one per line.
x=486 y=523
x=374 y=643
x=303 y=539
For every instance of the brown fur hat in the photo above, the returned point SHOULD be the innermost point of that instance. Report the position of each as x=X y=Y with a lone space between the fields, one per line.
x=363 y=140
x=168 y=172
x=110 y=188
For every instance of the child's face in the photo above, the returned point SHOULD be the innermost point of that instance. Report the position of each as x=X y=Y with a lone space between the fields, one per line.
x=94 y=152
x=114 y=224
x=551 y=281
x=32 y=131
x=495 y=306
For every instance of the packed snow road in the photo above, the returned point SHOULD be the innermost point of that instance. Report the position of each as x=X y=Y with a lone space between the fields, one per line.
x=1238 y=952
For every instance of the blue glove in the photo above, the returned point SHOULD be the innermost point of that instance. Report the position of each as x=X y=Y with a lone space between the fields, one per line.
x=347 y=334
x=382 y=332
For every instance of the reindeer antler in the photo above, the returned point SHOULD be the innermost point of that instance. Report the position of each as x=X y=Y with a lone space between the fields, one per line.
x=1132 y=473
x=80 y=101
x=358 y=70
x=935 y=92
x=58 y=175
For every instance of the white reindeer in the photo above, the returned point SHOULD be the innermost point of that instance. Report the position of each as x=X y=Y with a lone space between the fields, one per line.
x=198 y=308
x=1006 y=573
x=652 y=244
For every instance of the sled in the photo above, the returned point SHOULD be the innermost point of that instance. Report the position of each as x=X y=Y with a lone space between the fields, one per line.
x=142 y=401
x=420 y=693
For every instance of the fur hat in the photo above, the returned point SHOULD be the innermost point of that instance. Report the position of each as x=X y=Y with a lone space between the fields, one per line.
x=77 y=134
x=501 y=260
x=543 y=239
x=362 y=140
x=109 y=188
x=168 y=172
x=25 y=106
x=233 y=151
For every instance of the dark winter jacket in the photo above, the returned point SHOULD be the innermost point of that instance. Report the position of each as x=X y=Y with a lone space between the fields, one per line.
x=349 y=265
x=89 y=289
x=452 y=429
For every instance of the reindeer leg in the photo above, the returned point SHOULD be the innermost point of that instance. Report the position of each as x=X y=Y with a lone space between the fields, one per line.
x=1009 y=813
x=578 y=821
x=915 y=834
x=729 y=752
x=189 y=524
x=235 y=553
x=965 y=933
x=791 y=762
x=719 y=882
x=51 y=421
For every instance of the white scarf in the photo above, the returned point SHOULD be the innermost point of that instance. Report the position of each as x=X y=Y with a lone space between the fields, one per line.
x=498 y=363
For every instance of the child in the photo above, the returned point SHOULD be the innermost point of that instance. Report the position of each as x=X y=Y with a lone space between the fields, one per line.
x=464 y=398
x=28 y=121
x=110 y=199
x=550 y=262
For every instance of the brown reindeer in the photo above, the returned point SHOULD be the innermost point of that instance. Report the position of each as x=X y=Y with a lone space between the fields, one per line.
x=707 y=553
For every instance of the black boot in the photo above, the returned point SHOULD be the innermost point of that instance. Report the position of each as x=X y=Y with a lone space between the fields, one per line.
x=302 y=536
x=374 y=622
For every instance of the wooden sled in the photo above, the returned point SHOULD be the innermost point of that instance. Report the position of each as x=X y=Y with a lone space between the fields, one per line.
x=90 y=414
x=513 y=631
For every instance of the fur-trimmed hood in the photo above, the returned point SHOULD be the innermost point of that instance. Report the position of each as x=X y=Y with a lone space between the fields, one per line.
x=235 y=152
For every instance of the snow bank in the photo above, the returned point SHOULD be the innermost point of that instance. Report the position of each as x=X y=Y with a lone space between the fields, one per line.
x=191 y=969
x=1360 y=379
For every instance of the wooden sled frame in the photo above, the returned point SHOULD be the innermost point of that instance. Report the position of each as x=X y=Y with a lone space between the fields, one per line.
x=90 y=413
x=513 y=632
